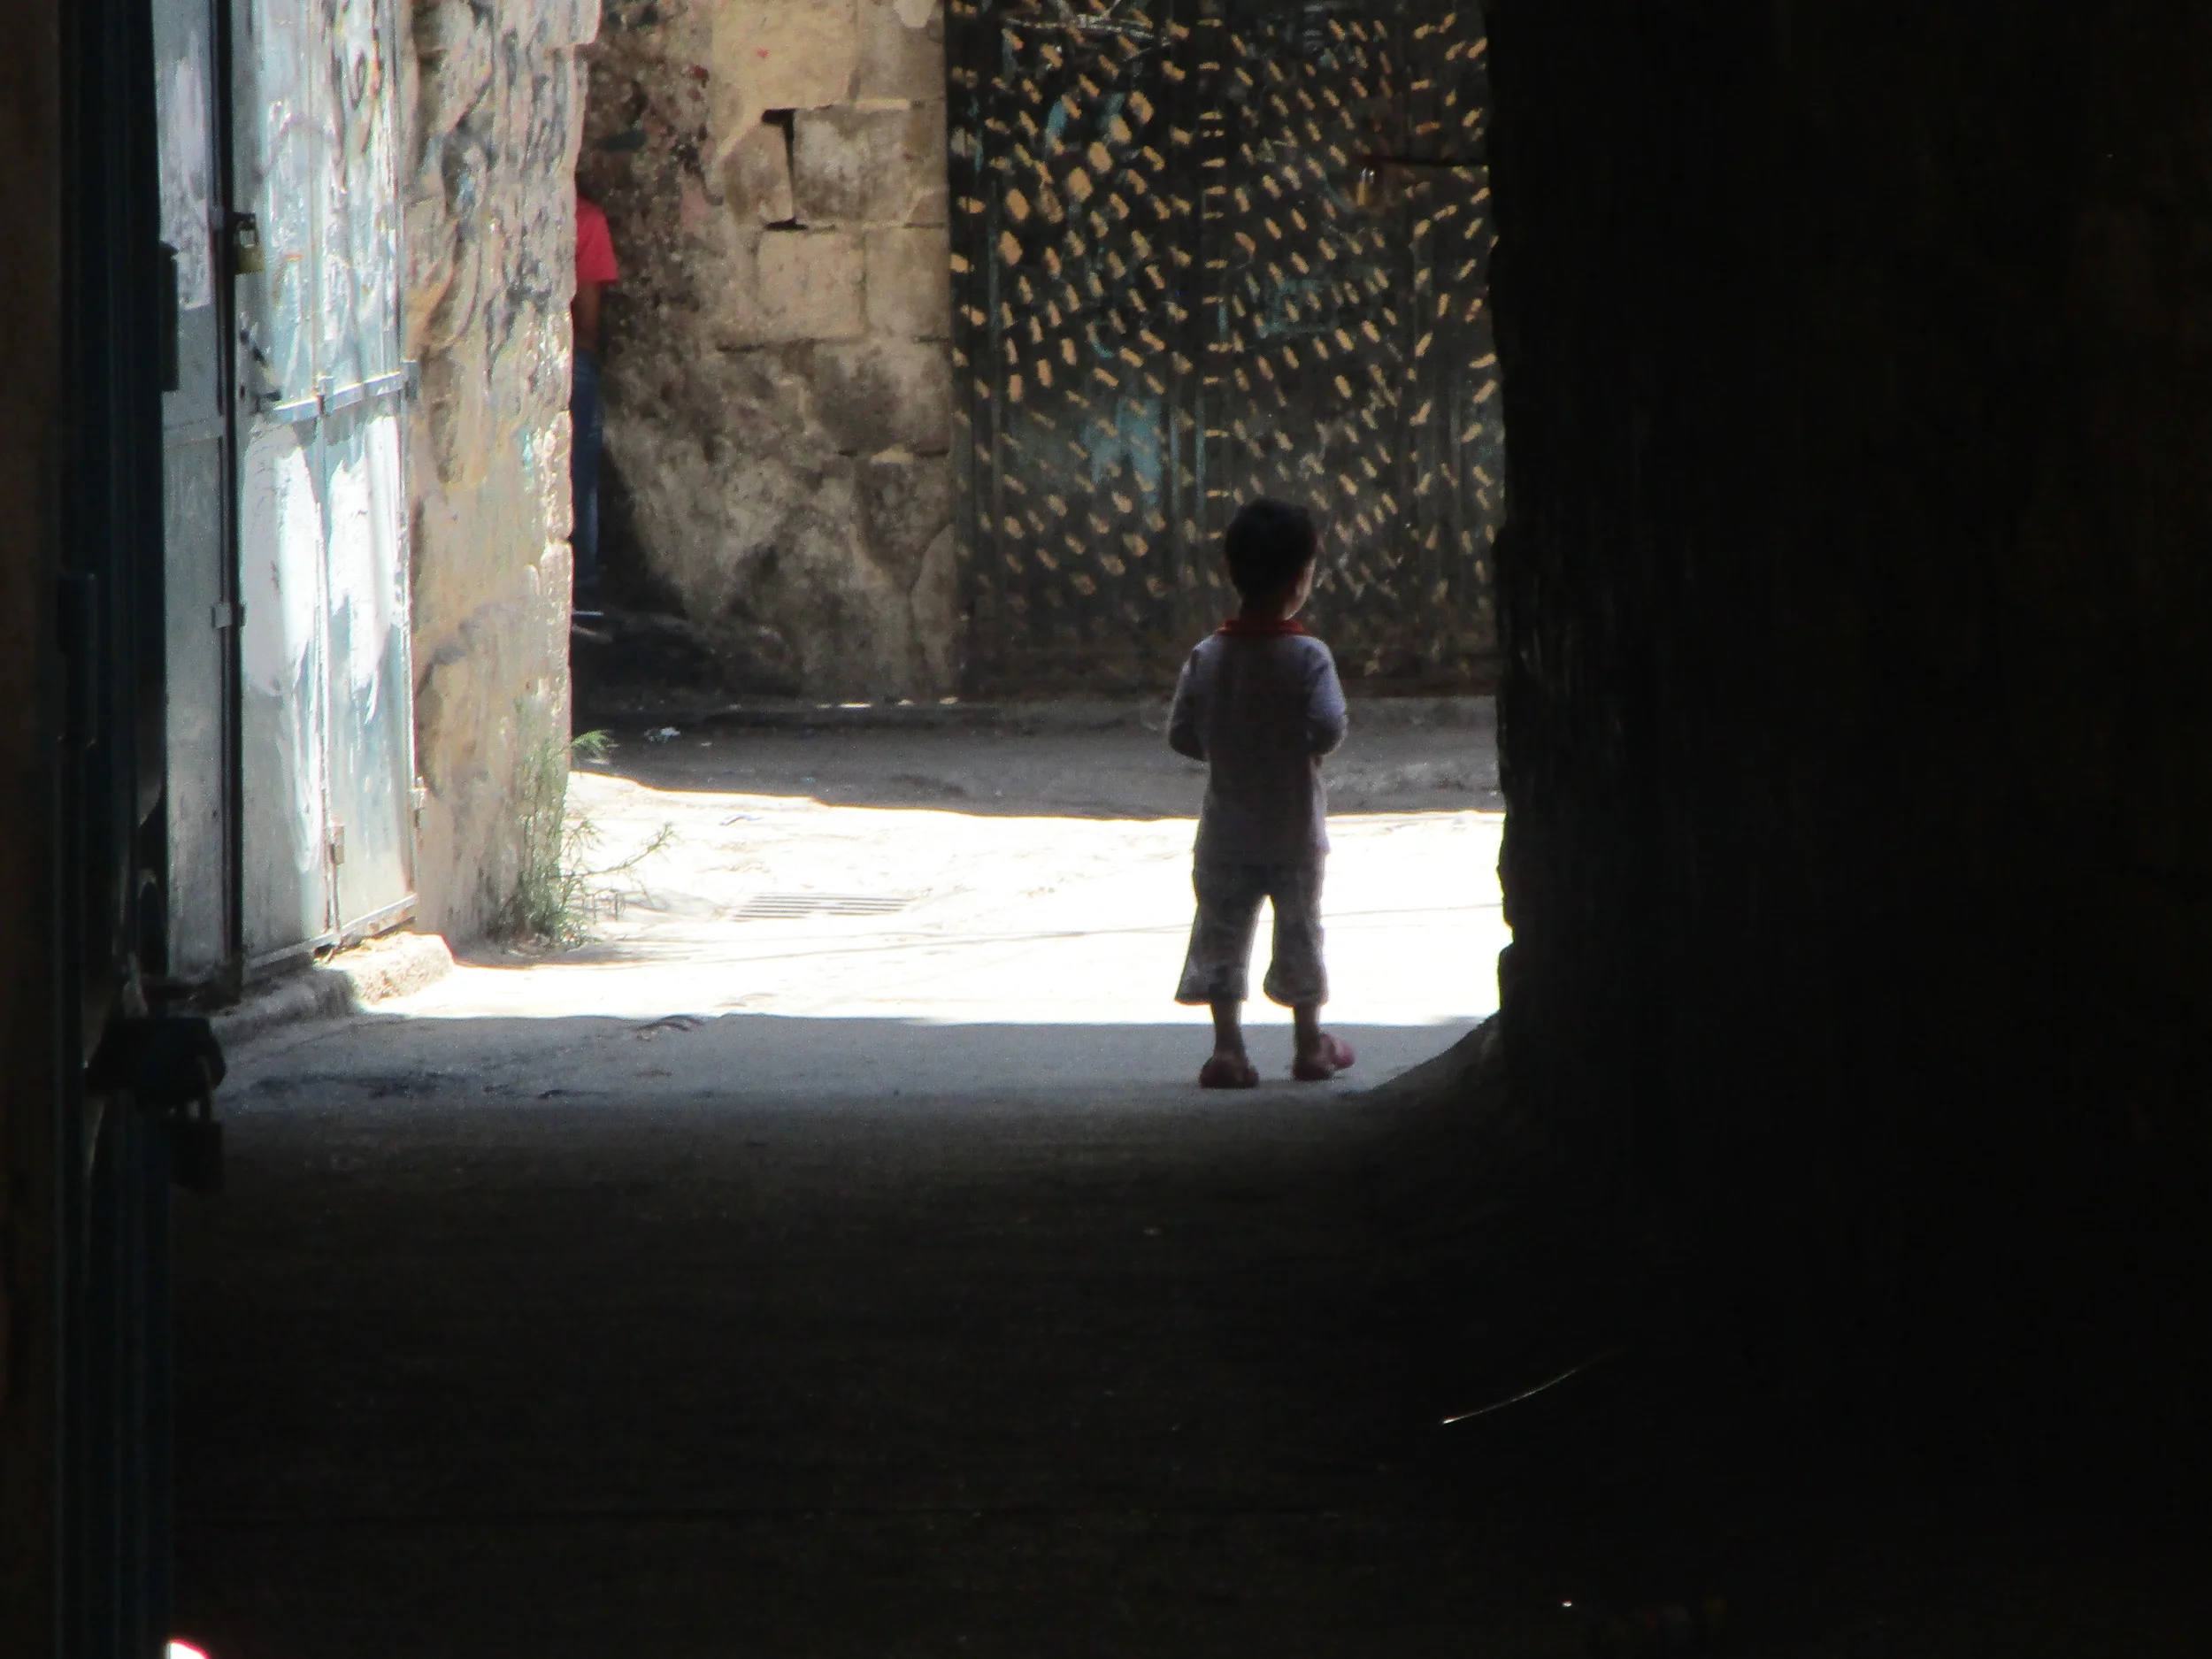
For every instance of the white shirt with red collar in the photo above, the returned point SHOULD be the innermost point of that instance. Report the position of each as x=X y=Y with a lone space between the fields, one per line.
x=1260 y=703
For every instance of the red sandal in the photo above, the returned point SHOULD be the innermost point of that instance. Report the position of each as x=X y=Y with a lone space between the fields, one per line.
x=1221 y=1072
x=1336 y=1056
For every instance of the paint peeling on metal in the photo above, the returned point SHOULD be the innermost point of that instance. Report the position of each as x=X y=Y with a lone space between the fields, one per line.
x=180 y=92
x=328 y=687
x=282 y=716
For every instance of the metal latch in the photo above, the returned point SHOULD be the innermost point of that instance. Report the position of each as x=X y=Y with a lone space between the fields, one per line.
x=246 y=257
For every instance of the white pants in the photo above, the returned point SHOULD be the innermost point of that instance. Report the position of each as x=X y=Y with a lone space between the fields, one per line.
x=1220 y=955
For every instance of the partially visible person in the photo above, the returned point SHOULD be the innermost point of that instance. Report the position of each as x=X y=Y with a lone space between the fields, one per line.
x=1259 y=701
x=595 y=272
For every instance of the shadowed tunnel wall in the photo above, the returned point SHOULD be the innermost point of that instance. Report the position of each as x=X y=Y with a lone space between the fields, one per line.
x=1857 y=724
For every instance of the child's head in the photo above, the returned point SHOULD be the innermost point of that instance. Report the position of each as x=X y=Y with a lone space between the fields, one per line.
x=1269 y=547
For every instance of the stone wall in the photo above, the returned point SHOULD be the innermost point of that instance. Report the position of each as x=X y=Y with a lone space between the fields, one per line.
x=493 y=96
x=1858 y=725
x=777 y=377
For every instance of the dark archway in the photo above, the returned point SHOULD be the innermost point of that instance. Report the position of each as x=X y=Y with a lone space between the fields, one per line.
x=1856 y=713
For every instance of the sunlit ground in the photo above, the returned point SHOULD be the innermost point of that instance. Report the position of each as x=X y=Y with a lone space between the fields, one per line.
x=782 y=906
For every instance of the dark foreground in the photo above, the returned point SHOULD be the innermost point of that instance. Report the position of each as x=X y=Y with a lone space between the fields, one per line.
x=662 y=1374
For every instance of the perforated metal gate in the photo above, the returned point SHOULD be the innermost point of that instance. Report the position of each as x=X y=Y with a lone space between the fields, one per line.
x=1204 y=250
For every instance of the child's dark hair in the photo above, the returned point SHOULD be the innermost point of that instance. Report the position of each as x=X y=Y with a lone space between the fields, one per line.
x=1267 y=544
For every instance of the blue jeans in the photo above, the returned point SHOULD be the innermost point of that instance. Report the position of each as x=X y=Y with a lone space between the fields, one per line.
x=584 y=414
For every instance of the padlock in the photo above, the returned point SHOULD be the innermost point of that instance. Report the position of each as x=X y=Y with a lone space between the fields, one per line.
x=245 y=245
x=195 y=1147
x=169 y=1065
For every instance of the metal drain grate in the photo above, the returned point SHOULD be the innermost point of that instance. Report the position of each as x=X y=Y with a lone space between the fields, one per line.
x=785 y=906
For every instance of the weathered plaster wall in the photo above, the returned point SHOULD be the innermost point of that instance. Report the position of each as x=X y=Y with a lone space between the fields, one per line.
x=776 y=374
x=1857 y=724
x=492 y=89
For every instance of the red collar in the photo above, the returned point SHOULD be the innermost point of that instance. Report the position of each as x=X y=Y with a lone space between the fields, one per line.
x=1252 y=628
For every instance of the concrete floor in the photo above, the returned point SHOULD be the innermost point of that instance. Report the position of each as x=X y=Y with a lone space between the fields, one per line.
x=880 y=1285
x=823 y=877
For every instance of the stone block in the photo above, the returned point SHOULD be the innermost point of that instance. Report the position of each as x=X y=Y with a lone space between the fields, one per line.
x=804 y=285
x=935 y=604
x=879 y=393
x=906 y=503
x=855 y=166
x=909 y=282
x=931 y=202
x=453 y=51
x=779 y=55
x=757 y=180
x=902 y=50
x=491 y=92
x=565 y=23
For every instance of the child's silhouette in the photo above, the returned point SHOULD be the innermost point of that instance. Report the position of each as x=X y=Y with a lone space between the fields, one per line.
x=1260 y=703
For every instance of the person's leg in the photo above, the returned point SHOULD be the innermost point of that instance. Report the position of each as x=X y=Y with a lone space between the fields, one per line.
x=586 y=418
x=1216 y=966
x=1297 y=977
x=1229 y=1028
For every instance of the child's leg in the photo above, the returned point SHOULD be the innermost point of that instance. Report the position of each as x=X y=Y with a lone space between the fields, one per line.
x=1214 y=967
x=1229 y=1028
x=1297 y=978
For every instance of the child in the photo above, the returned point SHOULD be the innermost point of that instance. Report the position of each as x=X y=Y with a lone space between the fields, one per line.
x=1260 y=703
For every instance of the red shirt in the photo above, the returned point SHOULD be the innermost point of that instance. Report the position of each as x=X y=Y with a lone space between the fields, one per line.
x=595 y=248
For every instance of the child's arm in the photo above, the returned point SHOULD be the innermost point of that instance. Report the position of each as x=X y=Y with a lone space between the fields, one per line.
x=1182 y=717
x=1325 y=716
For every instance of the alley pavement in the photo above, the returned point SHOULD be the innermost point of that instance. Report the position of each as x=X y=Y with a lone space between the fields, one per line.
x=989 y=907
x=834 y=1259
x=835 y=1256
